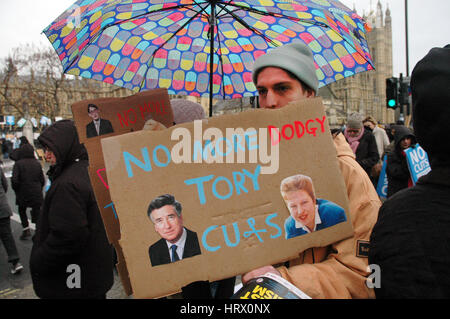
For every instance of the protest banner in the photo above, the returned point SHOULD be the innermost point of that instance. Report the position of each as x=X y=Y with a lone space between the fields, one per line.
x=150 y=109
x=382 y=180
x=225 y=174
x=418 y=163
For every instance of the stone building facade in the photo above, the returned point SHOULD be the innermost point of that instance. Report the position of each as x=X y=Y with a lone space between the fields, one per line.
x=366 y=92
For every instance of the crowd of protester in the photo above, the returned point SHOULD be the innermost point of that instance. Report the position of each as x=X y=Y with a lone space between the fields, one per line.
x=407 y=232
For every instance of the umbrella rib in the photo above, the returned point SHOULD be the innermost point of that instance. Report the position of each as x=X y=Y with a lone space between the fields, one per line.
x=245 y=24
x=220 y=59
x=174 y=33
x=219 y=49
x=279 y=15
x=276 y=15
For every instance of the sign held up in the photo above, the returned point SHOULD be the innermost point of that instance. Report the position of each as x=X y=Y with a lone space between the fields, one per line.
x=418 y=162
x=227 y=191
x=150 y=109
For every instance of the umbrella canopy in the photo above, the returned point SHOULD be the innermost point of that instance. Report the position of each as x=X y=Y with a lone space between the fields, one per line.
x=146 y=44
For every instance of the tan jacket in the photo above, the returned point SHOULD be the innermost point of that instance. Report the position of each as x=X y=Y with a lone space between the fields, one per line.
x=336 y=271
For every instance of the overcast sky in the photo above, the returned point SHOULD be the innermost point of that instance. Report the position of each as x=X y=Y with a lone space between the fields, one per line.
x=22 y=21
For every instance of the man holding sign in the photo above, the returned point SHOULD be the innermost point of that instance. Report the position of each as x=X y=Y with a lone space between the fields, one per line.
x=410 y=239
x=284 y=75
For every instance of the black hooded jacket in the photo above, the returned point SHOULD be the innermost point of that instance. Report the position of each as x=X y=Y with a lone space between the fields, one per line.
x=70 y=239
x=27 y=178
x=410 y=240
x=397 y=169
x=367 y=152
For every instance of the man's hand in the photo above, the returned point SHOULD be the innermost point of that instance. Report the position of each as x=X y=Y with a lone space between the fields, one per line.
x=258 y=272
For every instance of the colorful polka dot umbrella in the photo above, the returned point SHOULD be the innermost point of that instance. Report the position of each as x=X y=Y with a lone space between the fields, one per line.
x=146 y=44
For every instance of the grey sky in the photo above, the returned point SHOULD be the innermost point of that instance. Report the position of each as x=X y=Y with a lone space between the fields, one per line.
x=22 y=21
x=428 y=24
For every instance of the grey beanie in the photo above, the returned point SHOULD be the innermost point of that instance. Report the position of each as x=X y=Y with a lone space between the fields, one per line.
x=186 y=111
x=354 y=121
x=296 y=58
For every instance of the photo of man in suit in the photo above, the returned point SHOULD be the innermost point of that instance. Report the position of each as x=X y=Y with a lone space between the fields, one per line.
x=98 y=126
x=177 y=242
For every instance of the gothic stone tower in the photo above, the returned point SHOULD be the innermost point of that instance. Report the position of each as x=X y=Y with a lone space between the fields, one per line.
x=366 y=92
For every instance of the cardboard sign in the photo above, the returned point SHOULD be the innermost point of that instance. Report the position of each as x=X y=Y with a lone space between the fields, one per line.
x=225 y=172
x=418 y=163
x=383 y=180
x=150 y=109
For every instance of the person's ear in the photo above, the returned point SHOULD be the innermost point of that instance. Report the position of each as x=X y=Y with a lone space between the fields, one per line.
x=310 y=93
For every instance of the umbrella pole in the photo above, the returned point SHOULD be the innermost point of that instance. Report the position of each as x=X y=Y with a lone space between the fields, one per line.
x=212 y=24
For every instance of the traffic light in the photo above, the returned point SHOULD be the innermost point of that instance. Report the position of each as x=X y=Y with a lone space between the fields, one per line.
x=392 y=93
x=404 y=92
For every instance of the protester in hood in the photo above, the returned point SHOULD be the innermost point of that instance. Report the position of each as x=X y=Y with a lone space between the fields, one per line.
x=362 y=142
x=7 y=148
x=410 y=239
x=27 y=181
x=396 y=167
x=284 y=75
x=6 y=235
x=15 y=154
x=70 y=237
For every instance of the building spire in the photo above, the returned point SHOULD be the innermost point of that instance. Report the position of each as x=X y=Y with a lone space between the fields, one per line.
x=379 y=15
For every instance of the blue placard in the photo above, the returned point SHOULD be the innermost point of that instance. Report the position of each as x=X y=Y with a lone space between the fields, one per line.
x=382 y=180
x=418 y=163
x=10 y=119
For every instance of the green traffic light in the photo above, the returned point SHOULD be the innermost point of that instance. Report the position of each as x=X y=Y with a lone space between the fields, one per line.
x=391 y=103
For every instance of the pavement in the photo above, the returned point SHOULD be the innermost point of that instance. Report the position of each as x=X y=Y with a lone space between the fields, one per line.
x=116 y=292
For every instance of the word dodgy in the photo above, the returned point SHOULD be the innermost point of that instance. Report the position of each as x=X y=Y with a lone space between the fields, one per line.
x=297 y=129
